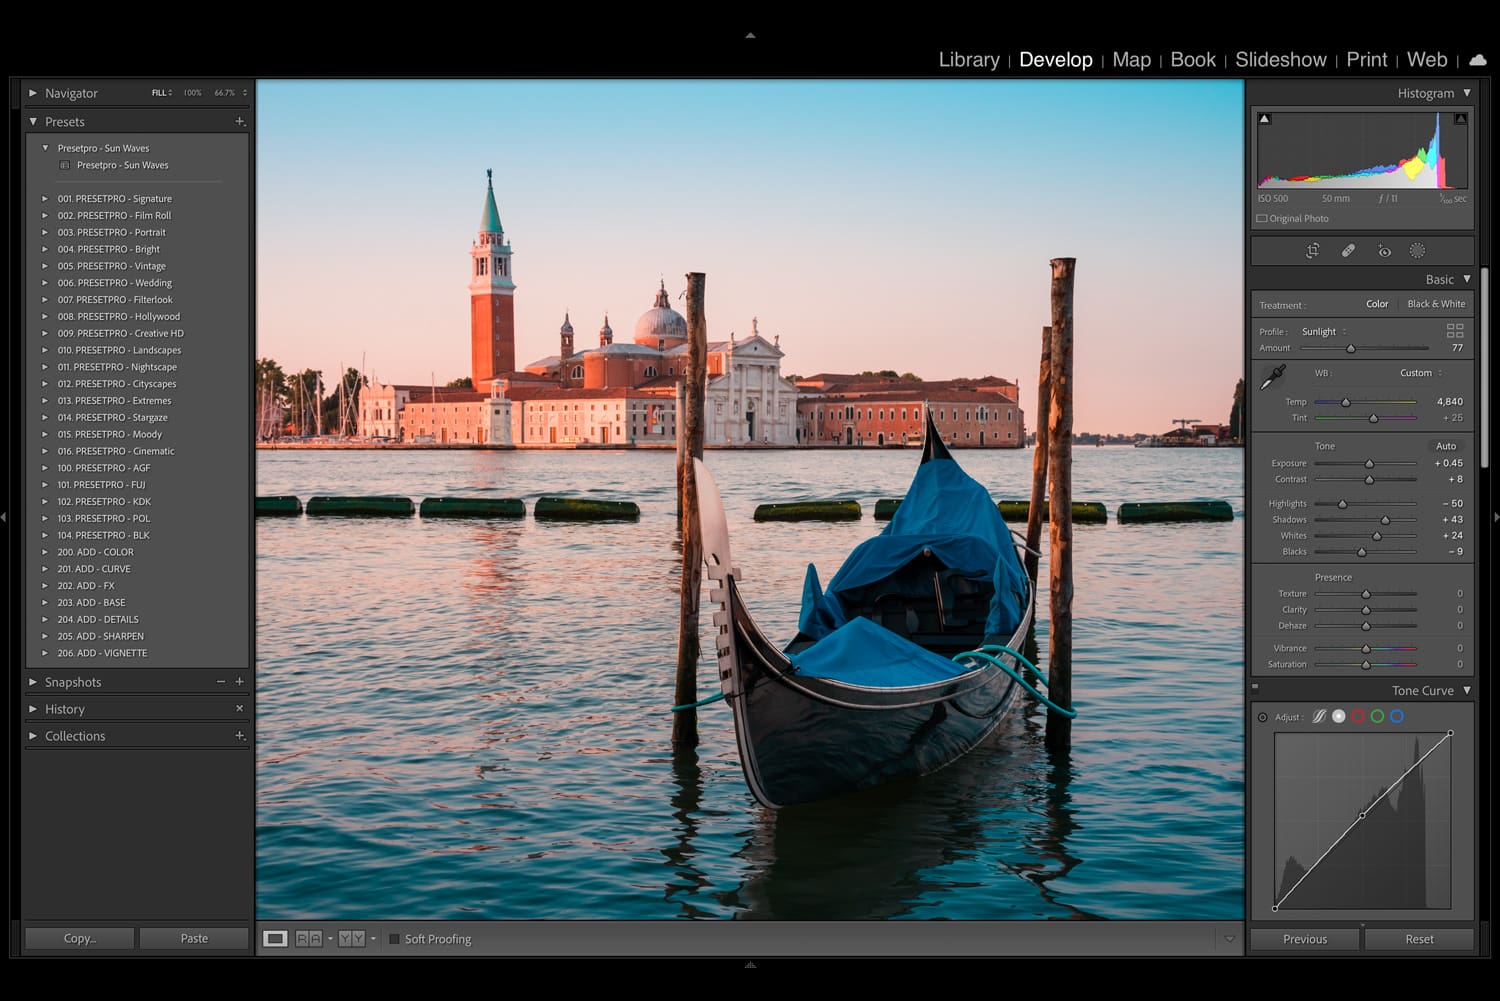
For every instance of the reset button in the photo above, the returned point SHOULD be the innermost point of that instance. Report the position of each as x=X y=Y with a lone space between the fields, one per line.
x=1419 y=939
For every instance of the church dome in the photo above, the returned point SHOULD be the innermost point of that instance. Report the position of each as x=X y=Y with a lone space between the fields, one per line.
x=661 y=325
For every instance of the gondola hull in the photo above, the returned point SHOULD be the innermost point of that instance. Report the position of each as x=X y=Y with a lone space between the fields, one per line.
x=892 y=705
x=803 y=739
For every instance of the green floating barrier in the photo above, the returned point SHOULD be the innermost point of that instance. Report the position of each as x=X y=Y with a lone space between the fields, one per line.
x=885 y=508
x=472 y=507
x=364 y=507
x=1084 y=512
x=834 y=510
x=583 y=509
x=1176 y=511
x=277 y=506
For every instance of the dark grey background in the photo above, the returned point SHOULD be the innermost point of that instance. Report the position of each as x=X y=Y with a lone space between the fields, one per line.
x=110 y=834
x=189 y=582
x=758 y=939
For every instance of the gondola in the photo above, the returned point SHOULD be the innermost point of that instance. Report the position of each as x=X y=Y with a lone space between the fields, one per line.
x=905 y=663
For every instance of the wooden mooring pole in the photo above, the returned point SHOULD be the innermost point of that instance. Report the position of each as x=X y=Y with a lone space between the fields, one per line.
x=690 y=446
x=1039 y=459
x=679 y=414
x=1060 y=504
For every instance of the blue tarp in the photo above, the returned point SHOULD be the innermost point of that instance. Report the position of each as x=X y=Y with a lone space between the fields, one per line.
x=944 y=511
x=862 y=653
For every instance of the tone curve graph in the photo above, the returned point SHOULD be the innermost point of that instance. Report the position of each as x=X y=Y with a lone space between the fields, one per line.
x=1371 y=813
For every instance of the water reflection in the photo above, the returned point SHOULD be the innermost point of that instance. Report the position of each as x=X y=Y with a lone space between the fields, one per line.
x=687 y=883
x=494 y=572
x=1055 y=822
x=893 y=851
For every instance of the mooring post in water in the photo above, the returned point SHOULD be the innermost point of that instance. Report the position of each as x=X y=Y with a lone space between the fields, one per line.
x=1060 y=504
x=678 y=416
x=690 y=446
x=1039 y=459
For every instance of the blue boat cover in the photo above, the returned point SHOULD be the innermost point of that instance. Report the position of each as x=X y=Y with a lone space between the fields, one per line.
x=862 y=653
x=944 y=511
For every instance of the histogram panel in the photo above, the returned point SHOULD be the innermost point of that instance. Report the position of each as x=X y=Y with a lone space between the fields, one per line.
x=1387 y=150
x=1363 y=821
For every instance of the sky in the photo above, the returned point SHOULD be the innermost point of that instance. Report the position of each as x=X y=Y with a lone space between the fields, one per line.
x=871 y=224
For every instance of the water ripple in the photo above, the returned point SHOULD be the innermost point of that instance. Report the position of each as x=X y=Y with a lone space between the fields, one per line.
x=466 y=718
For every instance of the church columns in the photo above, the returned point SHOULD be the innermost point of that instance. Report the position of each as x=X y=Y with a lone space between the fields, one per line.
x=776 y=437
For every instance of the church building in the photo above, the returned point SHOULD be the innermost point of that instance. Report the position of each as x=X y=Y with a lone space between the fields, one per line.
x=615 y=394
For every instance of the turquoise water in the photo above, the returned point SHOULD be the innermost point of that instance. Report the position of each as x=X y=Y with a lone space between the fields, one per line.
x=466 y=719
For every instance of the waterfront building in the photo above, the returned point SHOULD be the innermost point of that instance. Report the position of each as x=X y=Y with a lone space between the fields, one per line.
x=435 y=416
x=615 y=415
x=746 y=399
x=850 y=410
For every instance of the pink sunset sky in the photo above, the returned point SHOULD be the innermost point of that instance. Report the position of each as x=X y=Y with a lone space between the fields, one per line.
x=869 y=224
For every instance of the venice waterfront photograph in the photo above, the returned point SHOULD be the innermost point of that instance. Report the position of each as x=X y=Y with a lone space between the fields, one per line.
x=472 y=717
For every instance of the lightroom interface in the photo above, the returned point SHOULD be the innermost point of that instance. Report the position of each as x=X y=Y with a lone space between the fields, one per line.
x=930 y=501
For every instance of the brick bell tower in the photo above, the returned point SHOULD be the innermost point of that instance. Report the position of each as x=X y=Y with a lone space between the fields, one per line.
x=492 y=306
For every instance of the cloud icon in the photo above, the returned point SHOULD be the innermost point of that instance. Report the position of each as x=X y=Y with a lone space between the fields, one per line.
x=1479 y=60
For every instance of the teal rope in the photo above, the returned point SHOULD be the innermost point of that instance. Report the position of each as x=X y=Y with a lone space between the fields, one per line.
x=700 y=702
x=988 y=654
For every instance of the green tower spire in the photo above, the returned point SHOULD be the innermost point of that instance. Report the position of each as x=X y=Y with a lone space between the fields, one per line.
x=490 y=221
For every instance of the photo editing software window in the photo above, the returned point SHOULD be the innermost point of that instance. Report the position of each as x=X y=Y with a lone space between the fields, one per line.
x=902 y=502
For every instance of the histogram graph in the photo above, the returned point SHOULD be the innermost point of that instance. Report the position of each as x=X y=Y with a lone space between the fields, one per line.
x=1385 y=150
x=1363 y=821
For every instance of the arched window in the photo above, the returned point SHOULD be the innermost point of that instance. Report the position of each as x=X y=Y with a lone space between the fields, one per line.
x=577 y=372
x=650 y=371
